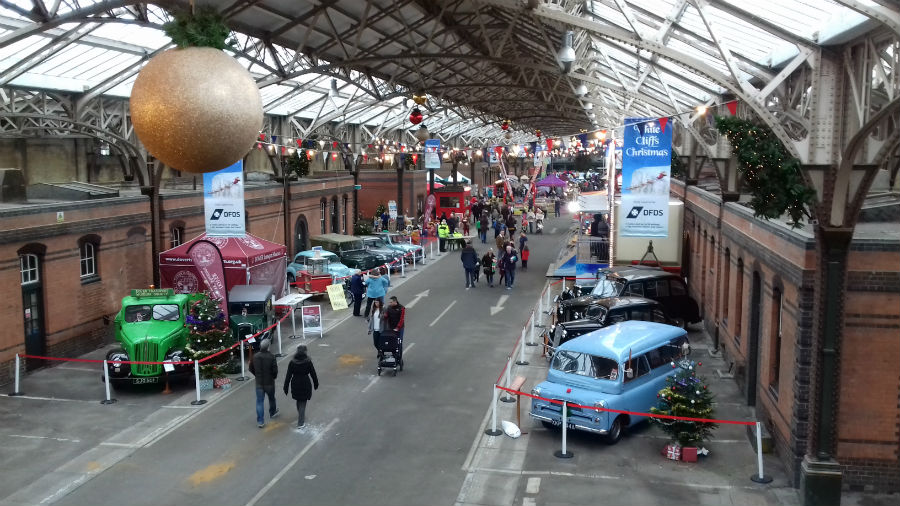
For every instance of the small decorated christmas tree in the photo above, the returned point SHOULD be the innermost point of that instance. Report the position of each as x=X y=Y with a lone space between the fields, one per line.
x=209 y=335
x=688 y=395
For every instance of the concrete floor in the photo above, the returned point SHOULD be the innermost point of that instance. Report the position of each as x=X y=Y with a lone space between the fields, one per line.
x=413 y=439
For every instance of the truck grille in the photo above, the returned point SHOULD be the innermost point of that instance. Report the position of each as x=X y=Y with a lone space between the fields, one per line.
x=147 y=351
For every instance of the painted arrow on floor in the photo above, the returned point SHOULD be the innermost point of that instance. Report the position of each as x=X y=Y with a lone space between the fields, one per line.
x=418 y=296
x=499 y=306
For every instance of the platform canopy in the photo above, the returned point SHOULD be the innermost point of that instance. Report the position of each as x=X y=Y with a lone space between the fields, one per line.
x=561 y=66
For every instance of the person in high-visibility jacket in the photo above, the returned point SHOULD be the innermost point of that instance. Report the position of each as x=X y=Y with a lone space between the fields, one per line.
x=443 y=234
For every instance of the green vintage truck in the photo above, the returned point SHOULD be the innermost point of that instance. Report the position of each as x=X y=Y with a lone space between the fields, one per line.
x=150 y=327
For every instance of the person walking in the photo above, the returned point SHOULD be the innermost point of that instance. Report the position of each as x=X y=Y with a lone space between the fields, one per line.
x=469 y=259
x=522 y=240
x=265 y=369
x=525 y=222
x=511 y=226
x=357 y=288
x=376 y=323
x=508 y=265
x=525 y=255
x=531 y=217
x=376 y=288
x=500 y=240
x=443 y=235
x=489 y=264
x=395 y=317
x=557 y=203
x=483 y=223
x=300 y=370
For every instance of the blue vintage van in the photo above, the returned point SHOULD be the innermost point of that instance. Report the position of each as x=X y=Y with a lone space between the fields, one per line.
x=595 y=370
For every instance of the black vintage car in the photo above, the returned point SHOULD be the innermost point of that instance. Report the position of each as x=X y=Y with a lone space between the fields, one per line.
x=653 y=283
x=605 y=312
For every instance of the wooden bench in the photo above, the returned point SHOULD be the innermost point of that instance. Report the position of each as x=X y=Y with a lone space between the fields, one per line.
x=517 y=383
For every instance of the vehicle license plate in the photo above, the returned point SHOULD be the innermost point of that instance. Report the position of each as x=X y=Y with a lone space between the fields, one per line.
x=558 y=423
x=141 y=381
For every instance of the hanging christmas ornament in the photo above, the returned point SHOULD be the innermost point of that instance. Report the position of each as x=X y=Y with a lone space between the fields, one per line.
x=184 y=94
x=537 y=132
x=420 y=99
x=504 y=125
x=415 y=117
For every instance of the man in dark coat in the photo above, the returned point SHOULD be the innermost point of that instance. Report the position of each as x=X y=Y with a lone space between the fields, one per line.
x=395 y=317
x=469 y=260
x=265 y=368
x=508 y=264
x=299 y=372
x=357 y=288
x=484 y=226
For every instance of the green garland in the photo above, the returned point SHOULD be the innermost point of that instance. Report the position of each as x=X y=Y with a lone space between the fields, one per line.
x=205 y=27
x=772 y=175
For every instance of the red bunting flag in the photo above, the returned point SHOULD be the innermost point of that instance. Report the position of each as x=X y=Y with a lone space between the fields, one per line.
x=549 y=144
x=662 y=124
x=283 y=150
x=732 y=107
x=299 y=143
x=334 y=144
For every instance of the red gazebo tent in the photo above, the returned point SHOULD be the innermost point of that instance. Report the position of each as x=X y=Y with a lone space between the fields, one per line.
x=246 y=260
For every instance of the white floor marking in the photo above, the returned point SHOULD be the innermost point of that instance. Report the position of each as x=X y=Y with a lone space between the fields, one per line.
x=533 y=486
x=60 y=439
x=73 y=368
x=37 y=398
x=290 y=464
x=553 y=230
x=432 y=324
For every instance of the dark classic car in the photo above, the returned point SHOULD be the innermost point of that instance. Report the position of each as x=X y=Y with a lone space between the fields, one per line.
x=349 y=249
x=605 y=312
x=662 y=286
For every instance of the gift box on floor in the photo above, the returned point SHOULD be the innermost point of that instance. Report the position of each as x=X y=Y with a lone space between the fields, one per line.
x=223 y=383
x=672 y=452
x=689 y=454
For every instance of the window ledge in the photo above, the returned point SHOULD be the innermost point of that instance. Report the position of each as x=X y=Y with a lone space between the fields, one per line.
x=773 y=392
x=93 y=278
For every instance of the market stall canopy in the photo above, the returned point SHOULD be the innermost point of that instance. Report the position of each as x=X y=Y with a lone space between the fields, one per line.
x=246 y=260
x=551 y=180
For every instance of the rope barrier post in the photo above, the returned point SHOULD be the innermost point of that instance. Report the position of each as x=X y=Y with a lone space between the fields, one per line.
x=759 y=477
x=199 y=401
x=522 y=360
x=293 y=322
x=402 y=267
x=493 y=431
x=431 y=247
x=531 y=341
x=278 y=331
x=16 y=392
x=414 y=258
x=242 y=377
x=564 y=454
x=108 y=400
x=506 y=382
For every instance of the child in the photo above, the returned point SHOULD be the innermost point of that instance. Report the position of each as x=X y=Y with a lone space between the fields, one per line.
x=525 y=254
x=466 y=227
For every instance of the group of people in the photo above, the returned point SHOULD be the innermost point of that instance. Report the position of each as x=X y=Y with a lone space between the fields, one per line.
x=490 y=264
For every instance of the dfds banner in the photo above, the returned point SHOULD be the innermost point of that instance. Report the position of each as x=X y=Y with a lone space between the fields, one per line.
x=646 y=167
x=223 y=201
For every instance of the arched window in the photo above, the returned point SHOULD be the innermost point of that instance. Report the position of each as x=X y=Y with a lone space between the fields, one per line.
x=322 y=206
x=775 y=353
x=176 y=234
x=89 y=248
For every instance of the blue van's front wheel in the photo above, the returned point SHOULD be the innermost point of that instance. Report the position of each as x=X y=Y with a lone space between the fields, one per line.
x=615 y=431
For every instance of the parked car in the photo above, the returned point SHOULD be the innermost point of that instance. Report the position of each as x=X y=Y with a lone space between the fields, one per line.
x=317 y=263
x=150 y=327
x=653 y=283
x=376 y=246
x=401 y=243
x=250 y=310
x=621 y=367
x=349 y=249
x=606 y=312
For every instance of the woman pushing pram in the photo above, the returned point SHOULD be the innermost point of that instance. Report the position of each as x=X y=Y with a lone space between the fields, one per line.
x=390 y=341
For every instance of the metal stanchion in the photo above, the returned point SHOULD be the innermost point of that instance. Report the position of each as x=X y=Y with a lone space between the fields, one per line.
x=199 y=401
x=431 y=247
x=278 y=331
x=522 y=360
x=759 y=477
x=531 y=330
x=108 y=400
x=402 y=267
x=494 y=431
x=242 y=377
x=506 y=382
x=293 y=323
x=16 y=392
x=564 y=453
x=414 y=258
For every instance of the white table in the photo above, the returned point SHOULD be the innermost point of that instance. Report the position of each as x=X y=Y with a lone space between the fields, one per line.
x=293 y=300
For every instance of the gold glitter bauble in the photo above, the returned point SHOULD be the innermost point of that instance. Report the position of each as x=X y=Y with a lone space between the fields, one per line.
x=196 y=109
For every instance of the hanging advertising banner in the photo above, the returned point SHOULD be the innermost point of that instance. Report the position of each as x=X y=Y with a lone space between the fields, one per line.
x=646 y=167
x=223 y=201
x=433 y=154
x=494 y=156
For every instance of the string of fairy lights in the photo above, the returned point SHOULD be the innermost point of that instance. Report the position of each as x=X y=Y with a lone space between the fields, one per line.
x=383 y=150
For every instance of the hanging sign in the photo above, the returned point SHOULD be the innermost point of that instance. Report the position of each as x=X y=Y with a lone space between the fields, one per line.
x=494 y=158
x=223 y=201
x=392 y=209
x=646 y=168
x=312 y=319
x=432 y=154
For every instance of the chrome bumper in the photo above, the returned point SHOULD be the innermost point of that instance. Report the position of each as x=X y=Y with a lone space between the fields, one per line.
x=571 y=425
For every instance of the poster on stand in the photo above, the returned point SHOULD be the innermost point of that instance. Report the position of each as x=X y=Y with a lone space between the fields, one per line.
x=312 y=320
x=223 y=201
x=646 y=168
x=432 y=154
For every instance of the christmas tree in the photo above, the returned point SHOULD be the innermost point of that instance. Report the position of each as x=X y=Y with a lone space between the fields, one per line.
x=688 y=395
x=209 y=335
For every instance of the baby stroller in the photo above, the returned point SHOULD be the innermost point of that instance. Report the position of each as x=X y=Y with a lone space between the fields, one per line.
x=390 y=352
x=540 y=226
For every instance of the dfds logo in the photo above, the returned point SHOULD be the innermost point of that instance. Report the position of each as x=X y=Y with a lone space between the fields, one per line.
x=221 y=213
x=639 y=210
x=635 y=212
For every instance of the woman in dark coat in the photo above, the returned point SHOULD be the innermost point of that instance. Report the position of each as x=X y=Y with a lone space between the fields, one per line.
x=299 y=371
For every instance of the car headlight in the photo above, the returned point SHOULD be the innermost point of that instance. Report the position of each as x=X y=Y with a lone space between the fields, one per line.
x=536 y=391
x=564 y=333
x=600 y=404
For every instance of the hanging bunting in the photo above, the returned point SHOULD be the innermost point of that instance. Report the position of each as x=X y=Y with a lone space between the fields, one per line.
x=549 y=144
x=584 y=140
x=662 y=124
x=732 y=107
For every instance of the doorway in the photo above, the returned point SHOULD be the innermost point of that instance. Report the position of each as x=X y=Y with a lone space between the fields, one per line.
x=301 y=235
x=33 y=308
x=753 y=344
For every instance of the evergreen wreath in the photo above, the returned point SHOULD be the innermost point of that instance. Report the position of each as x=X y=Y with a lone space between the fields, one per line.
x=772 y=175
x=204 y=27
